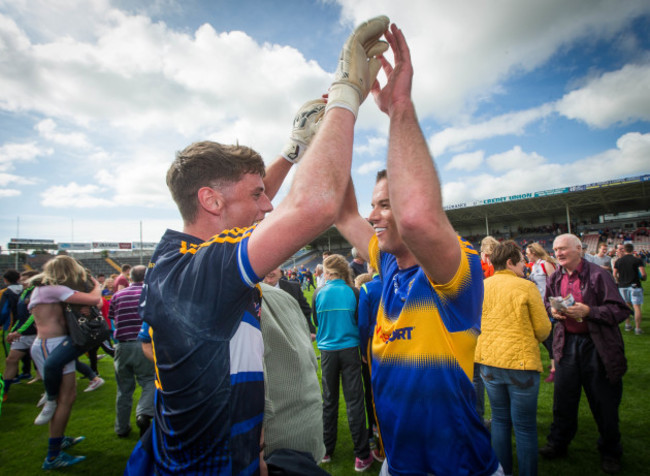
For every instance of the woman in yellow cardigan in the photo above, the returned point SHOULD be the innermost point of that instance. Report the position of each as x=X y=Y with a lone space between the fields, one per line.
x=514 y=322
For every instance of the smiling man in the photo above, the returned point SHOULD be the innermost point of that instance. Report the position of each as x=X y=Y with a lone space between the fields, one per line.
x=431 y=302
x=588 y=352
x=201 y=297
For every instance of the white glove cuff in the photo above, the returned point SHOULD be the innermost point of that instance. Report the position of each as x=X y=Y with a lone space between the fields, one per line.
x=345 y=95
x=293 y=151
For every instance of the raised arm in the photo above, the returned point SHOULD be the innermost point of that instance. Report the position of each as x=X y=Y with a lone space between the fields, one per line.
x=316 y=193
x=354 y=228
x=305 y=124
x=414 y=190
x=93 y=298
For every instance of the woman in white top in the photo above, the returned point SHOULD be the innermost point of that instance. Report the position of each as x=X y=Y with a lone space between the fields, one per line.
x=543 y=267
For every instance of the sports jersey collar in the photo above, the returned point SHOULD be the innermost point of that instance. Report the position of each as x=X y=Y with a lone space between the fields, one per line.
x=402 y=281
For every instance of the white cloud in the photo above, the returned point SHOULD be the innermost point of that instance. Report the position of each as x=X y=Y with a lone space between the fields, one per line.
x=141 y=76
x=124 y=184
x=4 y=193
x=47 y=129
x=514 y=123
x=12 y=153
x=373 y=146
x=515 y=159
x=529 y=172
x=467 y=162
x=618 y=96
x=370 y=167
x=74 y=195
x=6 y=179
x=463 y=50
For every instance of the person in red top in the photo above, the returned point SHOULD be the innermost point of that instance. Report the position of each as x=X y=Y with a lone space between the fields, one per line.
x=487 y=246
x=122 y=281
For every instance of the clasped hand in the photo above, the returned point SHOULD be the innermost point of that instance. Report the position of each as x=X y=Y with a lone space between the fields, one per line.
x=577 y=311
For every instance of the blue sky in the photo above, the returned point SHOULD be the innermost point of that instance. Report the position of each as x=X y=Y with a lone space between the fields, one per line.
x=96 y=96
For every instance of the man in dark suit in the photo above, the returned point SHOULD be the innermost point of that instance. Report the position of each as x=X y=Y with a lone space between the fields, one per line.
x=276 y=278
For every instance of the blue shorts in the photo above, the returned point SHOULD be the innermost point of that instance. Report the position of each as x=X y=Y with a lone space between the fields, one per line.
x=633 y=295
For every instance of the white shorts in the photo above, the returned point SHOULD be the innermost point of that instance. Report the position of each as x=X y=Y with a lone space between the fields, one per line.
x=42 y=348
x=632 y=295
x=24 y=343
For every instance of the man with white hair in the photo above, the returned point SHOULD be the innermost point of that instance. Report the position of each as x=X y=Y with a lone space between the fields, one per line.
x=588 y=352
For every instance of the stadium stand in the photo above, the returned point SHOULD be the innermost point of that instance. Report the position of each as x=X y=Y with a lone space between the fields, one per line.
x=613 y=212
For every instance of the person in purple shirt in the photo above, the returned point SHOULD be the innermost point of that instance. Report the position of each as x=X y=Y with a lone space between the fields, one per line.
x=588 y=351
x=131 y=364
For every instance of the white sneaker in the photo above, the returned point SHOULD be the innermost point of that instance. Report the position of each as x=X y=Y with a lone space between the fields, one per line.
x=42 y=401
x=46 y=413
x=95 y=384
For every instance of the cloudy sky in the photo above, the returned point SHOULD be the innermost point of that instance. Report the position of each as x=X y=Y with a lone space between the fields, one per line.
x=97 y=95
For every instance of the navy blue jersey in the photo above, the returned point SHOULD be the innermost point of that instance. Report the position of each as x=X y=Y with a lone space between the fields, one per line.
x=203 y=305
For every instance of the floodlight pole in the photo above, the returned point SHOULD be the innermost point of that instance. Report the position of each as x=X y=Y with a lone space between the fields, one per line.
x=17 y=236
x=568 y=219
x=487 y=226
x=141 y=244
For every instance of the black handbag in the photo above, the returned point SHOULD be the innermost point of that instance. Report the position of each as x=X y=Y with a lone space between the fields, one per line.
x=87 y=330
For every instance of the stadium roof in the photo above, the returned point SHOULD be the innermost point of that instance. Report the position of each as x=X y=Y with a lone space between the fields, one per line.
x=612 y=197
x=589 y=200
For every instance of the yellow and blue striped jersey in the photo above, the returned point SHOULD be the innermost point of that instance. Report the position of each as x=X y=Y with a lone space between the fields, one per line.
x=422 y=368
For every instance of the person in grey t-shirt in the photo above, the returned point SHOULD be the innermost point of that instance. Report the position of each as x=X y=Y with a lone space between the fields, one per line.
x=602 y=259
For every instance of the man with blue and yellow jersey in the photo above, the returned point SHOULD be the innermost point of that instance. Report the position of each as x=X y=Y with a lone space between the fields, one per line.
x=201 y=297
x=430 y=310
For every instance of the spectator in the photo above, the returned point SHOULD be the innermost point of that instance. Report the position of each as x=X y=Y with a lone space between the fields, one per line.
x=9 y=299
x=320 y=277
x=369 y=297
x=122 y=281
x=602 y=259
x=310 y=279
x=487 y=245
x=358 y=264
x=514 y=322
x=21 y=337
x=588 y=351
x=131 y=365
x=45 y=305
x=293 y=418
x=335 y=314
x=543 y=267
x=630 y=271
x=274 y=278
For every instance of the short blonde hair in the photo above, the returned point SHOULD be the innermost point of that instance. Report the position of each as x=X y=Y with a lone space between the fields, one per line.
x=362 y=279
x=488 y=244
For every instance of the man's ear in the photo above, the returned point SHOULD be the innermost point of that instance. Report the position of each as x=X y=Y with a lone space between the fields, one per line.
x=211 y=200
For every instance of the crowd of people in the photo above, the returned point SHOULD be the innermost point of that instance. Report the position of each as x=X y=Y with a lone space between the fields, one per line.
x=415 y=329
x=32 y=307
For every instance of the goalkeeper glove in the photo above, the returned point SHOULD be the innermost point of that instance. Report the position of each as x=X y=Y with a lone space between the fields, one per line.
x=305 y=125
x=358 y=65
